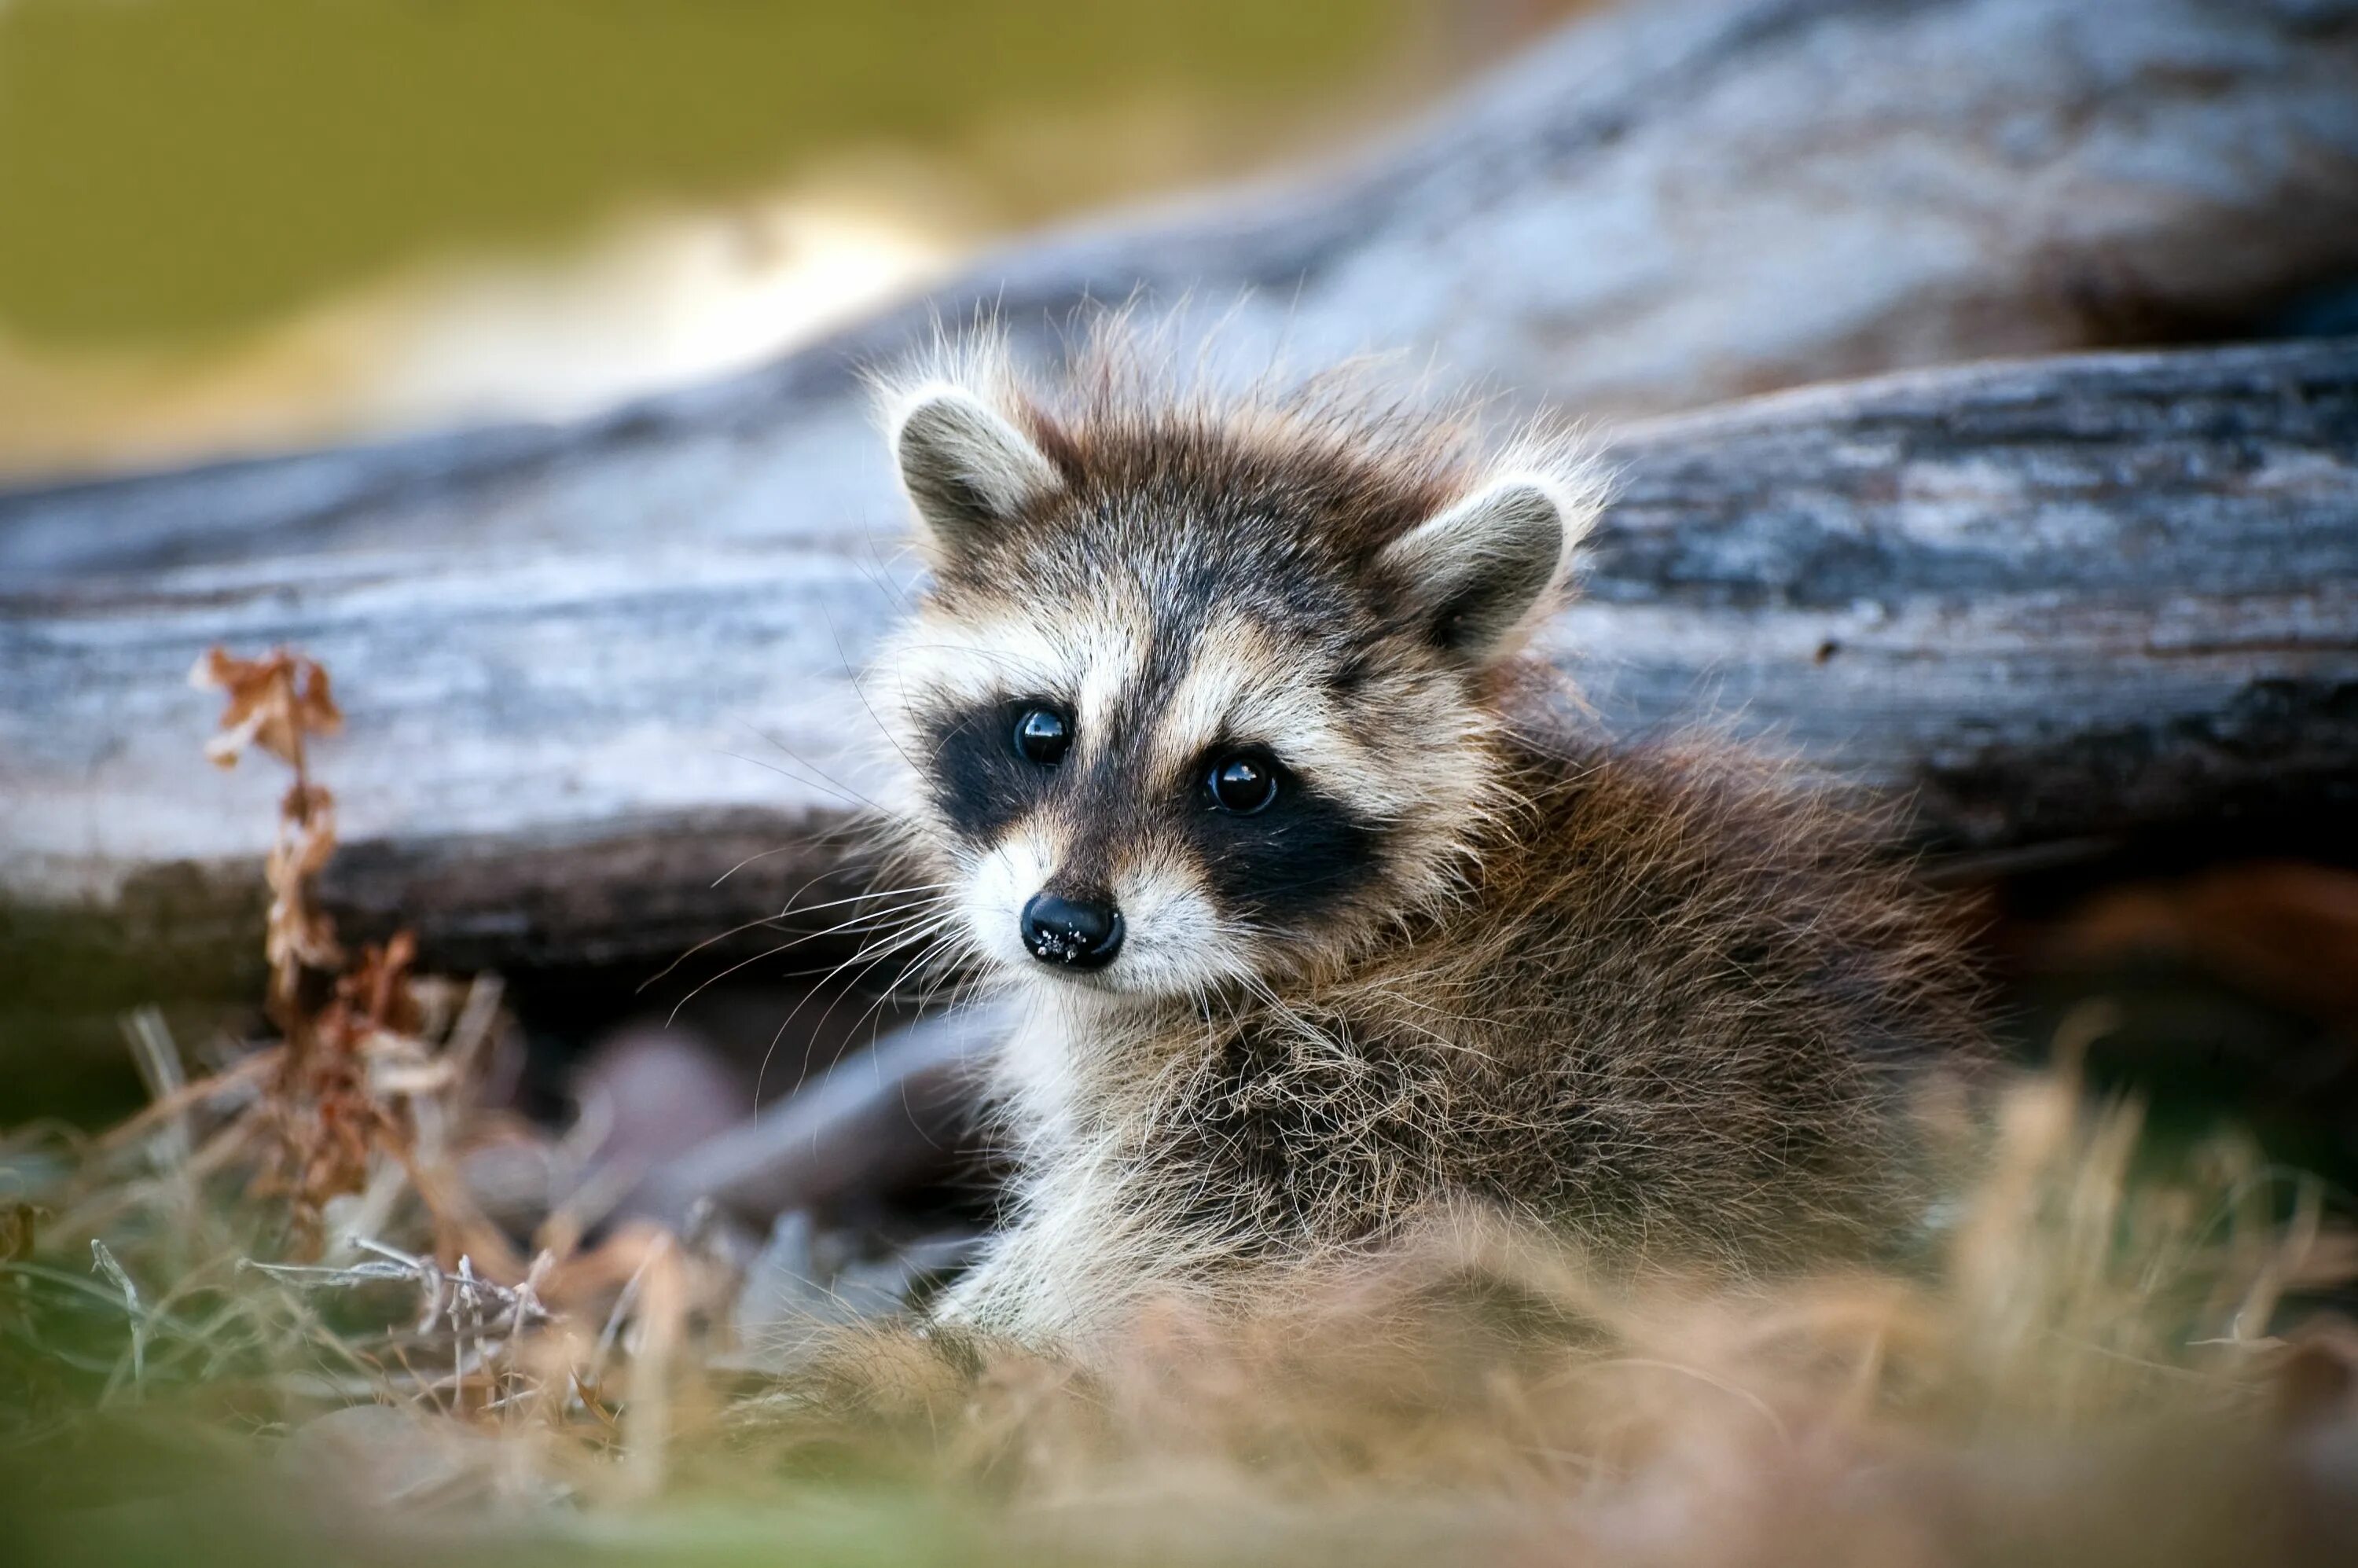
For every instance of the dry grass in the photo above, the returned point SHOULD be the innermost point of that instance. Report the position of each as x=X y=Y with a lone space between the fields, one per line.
x=280 y=1263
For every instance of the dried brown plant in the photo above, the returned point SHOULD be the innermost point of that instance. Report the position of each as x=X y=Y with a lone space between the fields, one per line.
x=2096 y=1365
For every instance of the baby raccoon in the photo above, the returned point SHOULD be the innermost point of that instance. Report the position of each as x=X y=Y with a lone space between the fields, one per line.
x=1324 y=918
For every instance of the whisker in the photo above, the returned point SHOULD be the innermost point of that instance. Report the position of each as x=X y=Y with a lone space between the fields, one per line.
x=886 y=993
x=950 y=974
x=815 y=768
x=875 y=568
x=941 y=946
x=840 y=794
x=762 y=1071
x=782 y=914
x=925 y=943
x=761 y=855
x=854 y=675
x=773 y=920
x=855 y=923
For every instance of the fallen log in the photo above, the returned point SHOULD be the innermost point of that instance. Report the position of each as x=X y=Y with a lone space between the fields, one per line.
x=1663 y=207
x=2100 y=596
x=562 y=646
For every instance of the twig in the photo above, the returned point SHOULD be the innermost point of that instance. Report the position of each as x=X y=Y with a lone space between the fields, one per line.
x=627 y=1299
x=158 y=1061
x=246 y=1075
x=102 y=1261
x=647 y=1412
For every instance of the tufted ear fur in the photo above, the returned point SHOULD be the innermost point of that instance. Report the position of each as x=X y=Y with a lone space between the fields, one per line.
x=1486 y=568
x=966 y=467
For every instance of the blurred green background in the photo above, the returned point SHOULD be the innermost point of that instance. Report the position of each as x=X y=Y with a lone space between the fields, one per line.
x=175 y=167
x=179 y=180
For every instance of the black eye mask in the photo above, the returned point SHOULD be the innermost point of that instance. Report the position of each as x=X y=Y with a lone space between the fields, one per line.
x=1294 y=852
x=990 y=761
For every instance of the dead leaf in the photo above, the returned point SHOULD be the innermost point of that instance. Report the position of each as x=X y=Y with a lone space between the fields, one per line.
x=274 y=702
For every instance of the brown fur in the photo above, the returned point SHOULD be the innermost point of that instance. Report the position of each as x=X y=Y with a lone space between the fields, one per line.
x=1662 y=1000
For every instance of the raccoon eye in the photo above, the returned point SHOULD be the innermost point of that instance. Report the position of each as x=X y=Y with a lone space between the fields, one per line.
x=1042 y=736
x=1243 y=782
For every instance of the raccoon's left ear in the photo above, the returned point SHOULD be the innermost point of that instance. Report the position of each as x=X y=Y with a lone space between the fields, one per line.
x=1488 y=568
x=966 y=467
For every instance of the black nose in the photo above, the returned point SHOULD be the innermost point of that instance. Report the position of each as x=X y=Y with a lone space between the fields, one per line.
x=1079 y=935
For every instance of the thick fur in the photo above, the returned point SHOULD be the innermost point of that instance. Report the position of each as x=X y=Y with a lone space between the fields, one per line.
x=1660 y=1000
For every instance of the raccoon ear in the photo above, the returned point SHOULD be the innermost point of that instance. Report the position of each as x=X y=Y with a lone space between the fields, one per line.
x=966 y=468
x=1485 y=569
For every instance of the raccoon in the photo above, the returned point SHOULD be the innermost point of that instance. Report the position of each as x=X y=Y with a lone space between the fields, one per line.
x=1328 y=913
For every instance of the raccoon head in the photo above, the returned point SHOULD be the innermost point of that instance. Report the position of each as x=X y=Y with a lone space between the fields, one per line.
x=1201 y=697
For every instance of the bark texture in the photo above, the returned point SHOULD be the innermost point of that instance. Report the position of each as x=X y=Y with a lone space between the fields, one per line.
x=2055 y=598
x=590 y=667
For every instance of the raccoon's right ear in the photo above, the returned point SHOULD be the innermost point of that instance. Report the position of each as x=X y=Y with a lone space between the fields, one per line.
x=966 y=467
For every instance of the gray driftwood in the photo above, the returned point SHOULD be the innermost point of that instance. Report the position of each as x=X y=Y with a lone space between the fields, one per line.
x=1664 y=207
x=2054 y=599
x=590 y=667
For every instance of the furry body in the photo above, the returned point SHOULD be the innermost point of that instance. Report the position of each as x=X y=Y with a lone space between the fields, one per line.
x=1658 y=1000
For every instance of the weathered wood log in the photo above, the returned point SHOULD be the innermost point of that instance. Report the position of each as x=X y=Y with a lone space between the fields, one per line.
x=1659 y=208
x=2102 y=596
x=555 y=640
